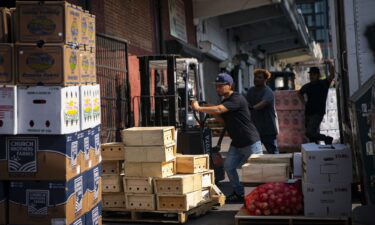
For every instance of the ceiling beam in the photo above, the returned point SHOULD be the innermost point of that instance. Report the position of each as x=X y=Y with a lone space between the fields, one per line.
x=204 y=9
x=250 y=16
x=282 y=46
x=272 y=39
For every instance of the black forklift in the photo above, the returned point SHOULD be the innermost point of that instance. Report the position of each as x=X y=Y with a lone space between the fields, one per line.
x=168 y=84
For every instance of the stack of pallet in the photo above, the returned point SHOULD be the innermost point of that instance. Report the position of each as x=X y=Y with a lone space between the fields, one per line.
x=50 y=115
x=156 y=179
x=113 y=160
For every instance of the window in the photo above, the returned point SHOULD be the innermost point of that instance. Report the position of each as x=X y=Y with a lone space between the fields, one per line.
x=319 y=20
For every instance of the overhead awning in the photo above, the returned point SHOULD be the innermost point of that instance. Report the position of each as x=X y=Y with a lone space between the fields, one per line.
x=272 y=26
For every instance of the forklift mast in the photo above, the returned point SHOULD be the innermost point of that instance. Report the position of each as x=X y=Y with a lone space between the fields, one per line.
x=167 y=84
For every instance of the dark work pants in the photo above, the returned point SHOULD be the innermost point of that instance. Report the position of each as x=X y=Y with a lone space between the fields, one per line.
x=270 y=143
x=312 y=125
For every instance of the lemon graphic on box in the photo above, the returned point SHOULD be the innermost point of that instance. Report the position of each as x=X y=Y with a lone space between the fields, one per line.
x=71 y=111
x=73 y=61
x=87 y=106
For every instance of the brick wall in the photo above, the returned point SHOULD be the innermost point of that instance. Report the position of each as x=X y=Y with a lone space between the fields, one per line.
x=131 y=20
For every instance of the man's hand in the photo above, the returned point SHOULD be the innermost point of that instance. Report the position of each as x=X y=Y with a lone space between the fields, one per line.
x=195 y=105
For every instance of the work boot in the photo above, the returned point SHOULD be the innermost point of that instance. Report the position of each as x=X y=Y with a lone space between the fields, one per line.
x=328 y=140
x=234 y=198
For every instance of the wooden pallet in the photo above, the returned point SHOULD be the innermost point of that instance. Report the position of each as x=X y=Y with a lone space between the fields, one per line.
x=119 y=215
x=243 y=217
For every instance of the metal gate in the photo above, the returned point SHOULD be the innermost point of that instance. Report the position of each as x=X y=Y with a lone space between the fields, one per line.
x=112 y=73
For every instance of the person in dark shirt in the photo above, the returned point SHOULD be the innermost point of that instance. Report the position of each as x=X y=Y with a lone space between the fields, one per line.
x=315 y=108
x=263 y=112
x=235 y=113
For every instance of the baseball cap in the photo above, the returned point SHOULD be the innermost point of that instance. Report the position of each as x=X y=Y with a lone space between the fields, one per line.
x=224 y=78
x=314 y=69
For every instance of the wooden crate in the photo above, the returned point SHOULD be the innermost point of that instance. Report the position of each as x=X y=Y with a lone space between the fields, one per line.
x=262 y=173
x=178 y=184
x=163 y=169
x=208 y=179
x=140 y=201
x=179 y=202
x=114 y=200
x=148 y=136
x=113 y=151
x=138 y=185
x=150 y=153
x=271 y=158
x=192 y=163
x=217 y=195
x=112 y=167
x=243 y=217
x=112 y=183
x=206 y=194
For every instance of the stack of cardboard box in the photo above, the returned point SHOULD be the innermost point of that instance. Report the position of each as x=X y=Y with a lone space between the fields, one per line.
x=50 y=126
x=326 y=180
x=113 y=160
x=291 y=119
x=158 y=179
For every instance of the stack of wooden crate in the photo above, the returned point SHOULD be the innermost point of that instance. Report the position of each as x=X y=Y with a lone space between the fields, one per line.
x=158 y=179
x=113 y=160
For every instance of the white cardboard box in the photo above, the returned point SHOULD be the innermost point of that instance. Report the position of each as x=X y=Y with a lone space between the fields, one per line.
x=48 y=110
x=96 y=108
x=327 y=200
x=322 y=164
x=262 y=173
x=297 y=164
x=8 y=110
x=89 y=106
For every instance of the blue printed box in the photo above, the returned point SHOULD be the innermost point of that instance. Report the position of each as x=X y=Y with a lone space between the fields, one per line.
x=43 y=202
x=93 y=186
x=94 y=216
x=39 y=157
x=89 y=146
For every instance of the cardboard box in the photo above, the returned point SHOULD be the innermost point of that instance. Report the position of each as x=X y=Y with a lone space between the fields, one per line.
x=92 y=66
x=291 y=138
x=192 y=163
x=3 y=204
x=114 y=200
x=138 y=185
x=262 y=173
x=5 y=28
x=94 y=216
x=83 y=139
x=288 y=100
x=8 y=110
x=86 y=106
x=326 y=164
x=112 y=167
x=93 y=186
x=85 y=67
x=48 y=202
x=112 y=183
x=327 y=200
x=92 y=31
x=95 y=153
x=297 y=164
x=7 y=71
x=79 y=221
x=96 y=108
x=271 y=158
x=184 y=202
x=48 y=110
x=52 y=22
x=178 y=184
x=148 y=136
x=140 y=201
x=39 y=157
x=54 y=65
x=85 y=36
x=150 y=153
x=113 y=151
x=163 y=169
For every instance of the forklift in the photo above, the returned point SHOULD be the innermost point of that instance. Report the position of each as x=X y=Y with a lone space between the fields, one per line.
x=168 y=84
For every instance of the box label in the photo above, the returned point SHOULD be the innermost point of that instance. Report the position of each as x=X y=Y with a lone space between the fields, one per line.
x=78 y=188
x=22 y=154
x=71 y=110
x=97 y=144
x=96 y=183
x=78 y=222
x=95 y=216
x=37 y=202
x=86 y=147
x=74 y=153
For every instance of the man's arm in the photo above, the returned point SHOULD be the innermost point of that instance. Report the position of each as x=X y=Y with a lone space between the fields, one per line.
x=212 y=110
x=331 y=72
x=301 y=94
x=262 y=104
